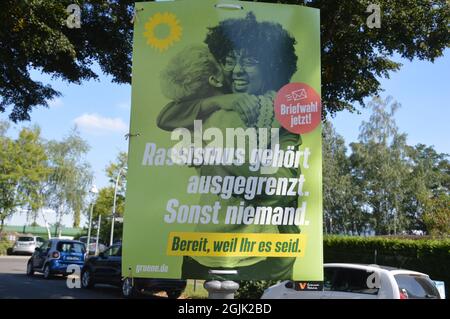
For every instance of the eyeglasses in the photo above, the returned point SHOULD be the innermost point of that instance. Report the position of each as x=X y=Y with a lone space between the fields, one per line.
x=246 y=63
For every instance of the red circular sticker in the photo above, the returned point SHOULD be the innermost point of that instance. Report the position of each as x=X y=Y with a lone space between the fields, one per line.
x=298 y=108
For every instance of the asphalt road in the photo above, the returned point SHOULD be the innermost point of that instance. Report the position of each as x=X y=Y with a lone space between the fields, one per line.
x=15 y=284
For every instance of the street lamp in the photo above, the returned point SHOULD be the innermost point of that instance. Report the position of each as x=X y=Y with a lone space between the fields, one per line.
x=94 y=192
x=114 y=205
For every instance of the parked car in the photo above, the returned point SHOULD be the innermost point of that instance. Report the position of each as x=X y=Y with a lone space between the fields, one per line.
x=93 y=244
x=55 y=255
x=27 y=244
x=106 y=268
x=351 y=281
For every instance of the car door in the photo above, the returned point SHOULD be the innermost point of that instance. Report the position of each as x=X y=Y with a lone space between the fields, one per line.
x=41 y=255
x=115 y=265
x=106 y=265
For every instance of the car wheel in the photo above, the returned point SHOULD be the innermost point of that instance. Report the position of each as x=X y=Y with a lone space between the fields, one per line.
x=30 y=270
x=47 y=272
x=173 y=294
x=128 y=290
x=86 y=279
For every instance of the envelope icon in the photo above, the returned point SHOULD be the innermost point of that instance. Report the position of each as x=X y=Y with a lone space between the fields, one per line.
x=299 y=95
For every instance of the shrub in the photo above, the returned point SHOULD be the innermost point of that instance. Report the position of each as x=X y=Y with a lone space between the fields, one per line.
x=253 y=289
x=5 y=246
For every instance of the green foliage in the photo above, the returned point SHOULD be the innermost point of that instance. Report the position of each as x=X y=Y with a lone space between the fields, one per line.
x=68 y=183
x=104 y=206
x=116 y=168
x=194 y=290
x=23 y=168
x=384 y=184
x=253 y=289
x=424 y=255
x=5 y=245
x=353 y=56
x=437 y=215
x=105 y=200
x=379 y=163
x=340 y=195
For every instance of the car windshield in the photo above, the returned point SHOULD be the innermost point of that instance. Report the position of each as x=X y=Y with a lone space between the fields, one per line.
x=417 y=287
x=70 y=247
x=25 y=238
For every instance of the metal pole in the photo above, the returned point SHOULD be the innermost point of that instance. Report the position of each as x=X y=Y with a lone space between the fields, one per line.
x=114 y=207
x=89 y=229
x=98 y=234
x=112 y=231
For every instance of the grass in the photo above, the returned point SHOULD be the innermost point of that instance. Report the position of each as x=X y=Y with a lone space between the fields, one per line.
x=194 y=290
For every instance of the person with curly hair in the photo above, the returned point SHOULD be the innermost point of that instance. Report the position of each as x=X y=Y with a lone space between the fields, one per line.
x=263 y=47
x=256 y=60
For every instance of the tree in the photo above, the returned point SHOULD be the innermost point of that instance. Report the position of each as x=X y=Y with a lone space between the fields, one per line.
x=379 y=167
x=116 y=168
x=385 y=183
x=23 y=167
x=437 y=215
x=341 y=196
x=9 y=178
x=103 y=206
x=105 y=200
x=32 y=149
x=353 y=56
x=70 y=177
x=427 y=189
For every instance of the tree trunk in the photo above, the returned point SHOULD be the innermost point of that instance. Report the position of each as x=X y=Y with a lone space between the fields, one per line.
x=2 y=224
x=76 y=218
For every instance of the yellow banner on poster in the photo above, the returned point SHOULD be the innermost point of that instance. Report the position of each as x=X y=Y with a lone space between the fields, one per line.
x=236 y=244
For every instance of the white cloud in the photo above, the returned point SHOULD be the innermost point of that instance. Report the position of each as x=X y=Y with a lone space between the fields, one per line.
x=95 y=123
x=55 y=103
x=124 y=105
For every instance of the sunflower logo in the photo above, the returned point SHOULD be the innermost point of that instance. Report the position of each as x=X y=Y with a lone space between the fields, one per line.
x=160 y=19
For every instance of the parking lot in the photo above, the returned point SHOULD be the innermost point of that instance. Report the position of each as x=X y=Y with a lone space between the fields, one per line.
x=15 y=284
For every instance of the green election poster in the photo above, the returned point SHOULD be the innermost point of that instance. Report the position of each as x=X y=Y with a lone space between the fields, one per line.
x=225 y=153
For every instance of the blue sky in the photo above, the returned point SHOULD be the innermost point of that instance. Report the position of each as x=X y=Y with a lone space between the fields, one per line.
x=423 y=89
x=101 y=111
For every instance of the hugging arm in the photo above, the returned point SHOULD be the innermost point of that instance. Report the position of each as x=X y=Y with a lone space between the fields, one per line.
x=227 y=119
x=183 y=113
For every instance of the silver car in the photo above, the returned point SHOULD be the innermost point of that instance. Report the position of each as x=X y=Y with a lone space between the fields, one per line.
x=27 y=244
